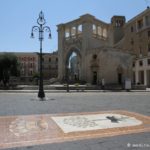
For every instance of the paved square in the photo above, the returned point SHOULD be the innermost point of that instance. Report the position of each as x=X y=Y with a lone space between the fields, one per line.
x=18 y=131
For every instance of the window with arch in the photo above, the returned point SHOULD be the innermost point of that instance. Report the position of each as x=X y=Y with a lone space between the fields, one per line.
x=67 y=33
x=73 y=31
x=100 y=32
x=104 y=33
x=80 y=29
x=94 y=29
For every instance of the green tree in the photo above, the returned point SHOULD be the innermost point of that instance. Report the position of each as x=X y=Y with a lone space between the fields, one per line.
x=9 y=66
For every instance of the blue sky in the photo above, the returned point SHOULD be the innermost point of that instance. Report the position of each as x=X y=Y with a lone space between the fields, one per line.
x=18 y=16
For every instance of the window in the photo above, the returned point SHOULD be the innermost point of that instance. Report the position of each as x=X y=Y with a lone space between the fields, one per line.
x=147 y=20
x=94 y=29
x=119 y=23
x=56 y=59
x=105 y=33
x=73 y=31
x=100 y=32
x=148 y=61
x=140 y=63
x=132 y=29
x=140 y=24
x=49 y=59
x=67 y=33
x=79 y=29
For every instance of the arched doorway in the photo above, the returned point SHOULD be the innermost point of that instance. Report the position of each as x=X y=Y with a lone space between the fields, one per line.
x=73 y=64
x=120 y=74
x=94 y=69
x=94 y=82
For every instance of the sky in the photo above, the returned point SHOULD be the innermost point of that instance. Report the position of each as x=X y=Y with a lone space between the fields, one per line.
x=18 y=17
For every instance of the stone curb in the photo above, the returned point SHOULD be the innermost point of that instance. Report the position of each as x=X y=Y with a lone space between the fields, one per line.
x=74 y=91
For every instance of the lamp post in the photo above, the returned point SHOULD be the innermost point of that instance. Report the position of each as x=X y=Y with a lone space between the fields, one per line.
x=41 y=28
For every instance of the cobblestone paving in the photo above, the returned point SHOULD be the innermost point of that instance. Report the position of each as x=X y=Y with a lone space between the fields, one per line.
x=25 y=104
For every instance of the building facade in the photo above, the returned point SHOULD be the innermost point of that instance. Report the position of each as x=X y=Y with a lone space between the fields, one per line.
x=92 y=42
x=50 y=65
x=30 y=65
x=137 y=40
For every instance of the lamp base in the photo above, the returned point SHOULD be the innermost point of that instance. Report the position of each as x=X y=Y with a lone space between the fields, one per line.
x=41 y=95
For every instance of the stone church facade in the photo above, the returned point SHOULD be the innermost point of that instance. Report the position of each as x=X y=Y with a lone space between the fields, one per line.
x=92 y=43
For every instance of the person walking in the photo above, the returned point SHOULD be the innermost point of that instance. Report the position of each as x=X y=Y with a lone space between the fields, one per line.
x=103 y=83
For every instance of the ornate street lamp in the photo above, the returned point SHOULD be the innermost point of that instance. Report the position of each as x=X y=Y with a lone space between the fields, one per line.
x=41 y=28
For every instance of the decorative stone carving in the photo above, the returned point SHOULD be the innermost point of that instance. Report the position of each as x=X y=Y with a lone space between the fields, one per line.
x=72 y=42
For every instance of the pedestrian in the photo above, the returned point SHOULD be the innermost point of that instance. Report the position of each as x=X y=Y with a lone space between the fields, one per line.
x=103 y=83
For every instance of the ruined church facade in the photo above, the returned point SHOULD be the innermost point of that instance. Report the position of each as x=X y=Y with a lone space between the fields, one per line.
x=90 y=44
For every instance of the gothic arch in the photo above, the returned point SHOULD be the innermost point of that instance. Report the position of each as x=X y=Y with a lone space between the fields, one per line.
x=73 y=64
x=70 y=51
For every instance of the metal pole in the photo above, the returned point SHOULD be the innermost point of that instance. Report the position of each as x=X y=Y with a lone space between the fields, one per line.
x=41 y=28
x=41 y=93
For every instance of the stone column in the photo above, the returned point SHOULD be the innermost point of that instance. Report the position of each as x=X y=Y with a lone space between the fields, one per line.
x=70 y=35
x=145 y=77
x=76 y=34
x=136 y=76
x=87 y=32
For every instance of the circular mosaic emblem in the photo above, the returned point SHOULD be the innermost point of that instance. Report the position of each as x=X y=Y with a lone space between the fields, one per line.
x=22 y=126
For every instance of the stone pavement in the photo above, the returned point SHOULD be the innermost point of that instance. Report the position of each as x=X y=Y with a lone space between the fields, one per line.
x=18 y=131
x=26 y=104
